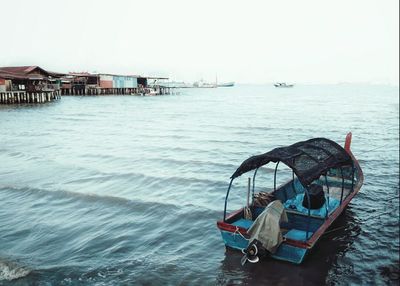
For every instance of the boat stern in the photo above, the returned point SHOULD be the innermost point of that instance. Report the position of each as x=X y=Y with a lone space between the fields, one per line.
x=235 y=235
x=290 y=253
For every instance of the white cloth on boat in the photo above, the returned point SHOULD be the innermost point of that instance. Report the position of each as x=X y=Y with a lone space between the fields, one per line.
x=266 y=228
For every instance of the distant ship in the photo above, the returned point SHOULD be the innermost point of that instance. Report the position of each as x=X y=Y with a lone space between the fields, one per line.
x=226 y=84
x=202 y=84
x=283 y=84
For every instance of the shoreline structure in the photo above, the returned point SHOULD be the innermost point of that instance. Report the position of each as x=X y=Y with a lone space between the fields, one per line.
x=32 y=84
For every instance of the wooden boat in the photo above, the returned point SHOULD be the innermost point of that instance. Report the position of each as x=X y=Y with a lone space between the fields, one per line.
x=226 y=84
x=202 y=84
x=315 y=162
x=283 y=84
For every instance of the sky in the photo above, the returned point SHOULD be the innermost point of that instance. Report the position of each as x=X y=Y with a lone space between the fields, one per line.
x=308 y=41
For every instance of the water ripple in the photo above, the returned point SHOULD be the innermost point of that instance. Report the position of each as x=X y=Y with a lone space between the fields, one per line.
x=126 y=190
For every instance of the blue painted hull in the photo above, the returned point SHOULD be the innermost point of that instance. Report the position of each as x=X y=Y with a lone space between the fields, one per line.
x=285 y=252
x=303 y=227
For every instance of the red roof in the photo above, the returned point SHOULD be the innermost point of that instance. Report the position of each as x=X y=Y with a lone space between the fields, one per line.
x=8 y=75
x=82 y=74
x=21 y=72
x=22 y=69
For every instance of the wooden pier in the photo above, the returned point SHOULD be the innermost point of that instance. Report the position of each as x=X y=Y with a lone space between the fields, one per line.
x=28 y=84
x=13 y=97
x=116 y=91
x=98 y=91
x=32 y=84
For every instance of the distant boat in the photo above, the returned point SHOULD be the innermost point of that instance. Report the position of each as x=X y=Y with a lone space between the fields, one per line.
x=202 y=84
x=226 y=84
x=283 y=84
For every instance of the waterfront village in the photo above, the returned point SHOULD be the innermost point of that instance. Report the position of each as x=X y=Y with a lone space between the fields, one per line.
x=33 y=84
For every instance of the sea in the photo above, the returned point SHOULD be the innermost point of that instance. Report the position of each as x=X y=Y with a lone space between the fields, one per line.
x=127 y=190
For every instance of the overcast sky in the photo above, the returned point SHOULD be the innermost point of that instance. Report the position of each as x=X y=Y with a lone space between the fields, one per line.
x=244 y=41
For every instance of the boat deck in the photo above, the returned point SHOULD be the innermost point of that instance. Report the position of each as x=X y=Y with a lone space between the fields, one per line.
x=297 y=230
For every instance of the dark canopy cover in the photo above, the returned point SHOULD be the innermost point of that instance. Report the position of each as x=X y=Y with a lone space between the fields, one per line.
x=308 y=159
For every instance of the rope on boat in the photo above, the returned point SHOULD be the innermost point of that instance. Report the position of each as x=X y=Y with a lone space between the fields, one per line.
x=374 y=149
x=378 y=215
x=371 y=217
x=362 y=220
x=237 y=231
x=335 y=229
x=247 y=213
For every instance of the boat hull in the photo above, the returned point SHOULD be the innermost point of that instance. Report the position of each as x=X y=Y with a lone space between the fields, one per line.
x=292 y=249
x=284 y=86
x=228 y=84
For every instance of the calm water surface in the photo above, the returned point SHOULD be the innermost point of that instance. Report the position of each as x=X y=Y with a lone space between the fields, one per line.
x=127 y=190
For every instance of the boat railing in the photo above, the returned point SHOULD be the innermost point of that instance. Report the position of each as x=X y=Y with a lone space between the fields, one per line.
x=306 y=192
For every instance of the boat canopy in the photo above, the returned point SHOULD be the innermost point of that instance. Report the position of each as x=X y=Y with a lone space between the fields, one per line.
x=308 y=159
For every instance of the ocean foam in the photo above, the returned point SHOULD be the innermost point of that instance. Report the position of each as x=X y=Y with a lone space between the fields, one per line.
x=11 y=271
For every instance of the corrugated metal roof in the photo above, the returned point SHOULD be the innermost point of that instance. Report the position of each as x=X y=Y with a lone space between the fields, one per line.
x=56 y=74
x=155 y=77
x=22 y=69
x=82 y=74
x=26 y=72
x=9 y=75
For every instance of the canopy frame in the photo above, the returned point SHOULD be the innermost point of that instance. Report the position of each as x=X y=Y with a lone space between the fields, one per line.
x=345 y=160
x=308 y=159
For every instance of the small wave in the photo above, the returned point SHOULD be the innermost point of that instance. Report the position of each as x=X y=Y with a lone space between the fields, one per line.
x=139 y=205
x=10 y=271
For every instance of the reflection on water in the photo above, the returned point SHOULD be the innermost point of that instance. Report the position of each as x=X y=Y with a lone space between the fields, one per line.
x=127 y=190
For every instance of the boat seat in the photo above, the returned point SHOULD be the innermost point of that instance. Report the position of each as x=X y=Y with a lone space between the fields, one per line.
x=290 y=253
x=296 y=205
x=316 y=197
x=244 y=223
x=297 y=234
